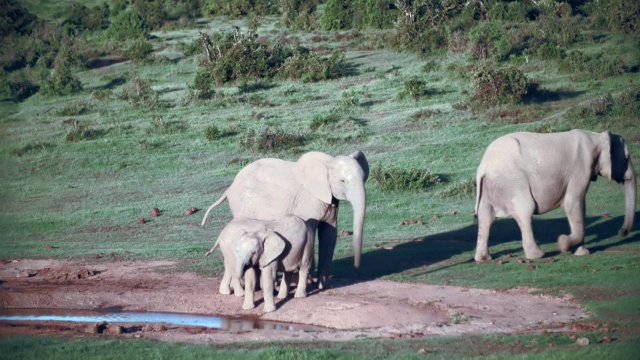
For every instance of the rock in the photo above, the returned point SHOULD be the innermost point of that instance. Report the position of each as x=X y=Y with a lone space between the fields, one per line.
x=615 y=267
x=531 y=267
x=141 y=221
x=435 y=217
x=519 y=260
x=498 y=262
x=155 y=212
x=346 y=233
x=583 y=341
x=423 y=351
x=606 y=339
x=509 y=255
x=160 y=327
x=420 y=223
x=115 y=330
x=454 y=213
x=98 y=256
x=147 y=328
x=191 y=211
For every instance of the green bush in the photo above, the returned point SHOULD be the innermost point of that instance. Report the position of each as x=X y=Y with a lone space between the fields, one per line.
x=493 y=86
x=464 y=189
x=628 y=103
x=17 y=85
x=138 y=50
x=597 y=66
x=414 y=88
x=82 y=18
x=81 y=132
x=239 y=8
x=128 y=24
x=270 y=140
x=61 y=81
x=203 y=85
x=299 y=14
x=309 y=67
x=28 y=149
x=617 y=15
x=236 y=56
x=404 y=179
x=212 y=133
x=138 y=92
x=73 y=108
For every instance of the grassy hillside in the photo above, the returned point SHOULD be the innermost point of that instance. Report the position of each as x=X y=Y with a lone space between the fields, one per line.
x=79 y=169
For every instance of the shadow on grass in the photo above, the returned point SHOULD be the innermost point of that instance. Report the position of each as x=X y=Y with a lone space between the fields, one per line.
x=111 y=84
x=538 y=96
x=440 y=247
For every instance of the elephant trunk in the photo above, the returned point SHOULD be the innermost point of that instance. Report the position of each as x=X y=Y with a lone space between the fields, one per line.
x=630 y=199
x=359 y=203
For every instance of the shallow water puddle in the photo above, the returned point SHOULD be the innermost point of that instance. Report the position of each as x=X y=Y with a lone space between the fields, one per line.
x=209 y=321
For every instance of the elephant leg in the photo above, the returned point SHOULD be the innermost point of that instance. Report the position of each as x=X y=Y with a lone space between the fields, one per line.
x=301 y=289
x=284 y=285
x=249 y=286
x=327 y=235
x=575 y=209
x=225 y=284
x=523 y=216
x=268 y=276
x=486 y=216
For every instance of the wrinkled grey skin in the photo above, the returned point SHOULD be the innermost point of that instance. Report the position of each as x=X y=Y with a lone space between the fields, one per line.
x=283 y=245
x=523 y=174
x=310 y=188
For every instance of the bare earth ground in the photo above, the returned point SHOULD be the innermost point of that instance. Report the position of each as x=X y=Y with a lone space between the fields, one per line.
x=378 y=309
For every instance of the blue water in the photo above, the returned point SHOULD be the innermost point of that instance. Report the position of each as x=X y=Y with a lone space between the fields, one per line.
x=209 y=321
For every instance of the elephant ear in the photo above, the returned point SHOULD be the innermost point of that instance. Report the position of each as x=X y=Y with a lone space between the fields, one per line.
x=273 y=247
x=362 y=160
x=311 y=171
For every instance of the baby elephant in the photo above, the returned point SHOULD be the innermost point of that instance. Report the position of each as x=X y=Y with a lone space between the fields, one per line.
x=283 y=245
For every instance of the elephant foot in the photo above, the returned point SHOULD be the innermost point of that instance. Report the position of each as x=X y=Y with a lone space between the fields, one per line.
x=281 y=296
x=269 y=308
x=239 y=293
x=248 y=306
x=581 y=251
x=535 y=253
x=564 y=243
x=299 y=295
x=482 y=257
x=225 y=291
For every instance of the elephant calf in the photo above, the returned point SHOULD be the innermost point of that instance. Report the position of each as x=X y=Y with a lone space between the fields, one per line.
x=285 y=244
x=523 y=174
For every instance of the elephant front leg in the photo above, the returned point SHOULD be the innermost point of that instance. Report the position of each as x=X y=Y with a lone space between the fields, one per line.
x=249 y=286
x=575 y=209
x=327 y=235
x=268 y=276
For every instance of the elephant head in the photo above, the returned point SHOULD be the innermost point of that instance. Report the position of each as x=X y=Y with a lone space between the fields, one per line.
x=341 y=178
x=614 y=163
x=257 y=248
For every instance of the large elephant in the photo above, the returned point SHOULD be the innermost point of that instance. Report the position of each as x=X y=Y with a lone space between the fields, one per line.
x=523 y=174
x=283 y=245
x=310 y=188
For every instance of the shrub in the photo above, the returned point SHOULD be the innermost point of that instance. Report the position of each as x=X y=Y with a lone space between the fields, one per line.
x=628 y=103
x=238 y=8
x=309 y=67
x=414 y=88
x=299 y=14
x=128 y=24
x=83 y=18
x=493 y=86
x=36 y=147
x=73 y=108
x=463 y=189
x=270 y=140
x=550 y=51
x=212 y=133
x=597 y=66
x=81 y=132
x=61 y=81
x=203 y=85
x=17 y=85
x=138 y=50
x=404 y=179
x=617 y=15
x=138 y=91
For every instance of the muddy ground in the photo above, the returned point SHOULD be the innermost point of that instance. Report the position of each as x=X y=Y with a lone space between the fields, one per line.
x=350 y=310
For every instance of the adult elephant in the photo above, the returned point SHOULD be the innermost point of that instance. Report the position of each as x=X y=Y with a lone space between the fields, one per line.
x=523 y=174
x=310 y=188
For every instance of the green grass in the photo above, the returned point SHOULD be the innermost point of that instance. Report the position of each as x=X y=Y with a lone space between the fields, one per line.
x=73 y=200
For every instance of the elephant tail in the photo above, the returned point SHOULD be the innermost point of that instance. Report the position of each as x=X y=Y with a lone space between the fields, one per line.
x=479 y=181
x=218 y=202
x=213 y=248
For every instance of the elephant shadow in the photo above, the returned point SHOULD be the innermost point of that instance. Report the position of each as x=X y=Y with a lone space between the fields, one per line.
x=443 y=247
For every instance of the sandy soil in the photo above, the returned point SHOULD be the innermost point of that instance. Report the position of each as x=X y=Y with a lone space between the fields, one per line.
x=380 y=309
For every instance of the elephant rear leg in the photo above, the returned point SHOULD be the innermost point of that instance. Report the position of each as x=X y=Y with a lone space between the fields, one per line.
x=486 y=216
x=523 y=215
x=284 y=285
x=327 y=235
x=575 y=210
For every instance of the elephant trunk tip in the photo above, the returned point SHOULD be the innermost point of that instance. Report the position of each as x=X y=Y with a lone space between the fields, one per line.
x=623 y=232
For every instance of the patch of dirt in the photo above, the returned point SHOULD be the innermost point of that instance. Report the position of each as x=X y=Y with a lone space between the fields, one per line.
x=351 y=310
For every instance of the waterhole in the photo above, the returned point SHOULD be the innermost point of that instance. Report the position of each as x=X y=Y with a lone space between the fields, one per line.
x=116 y=316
